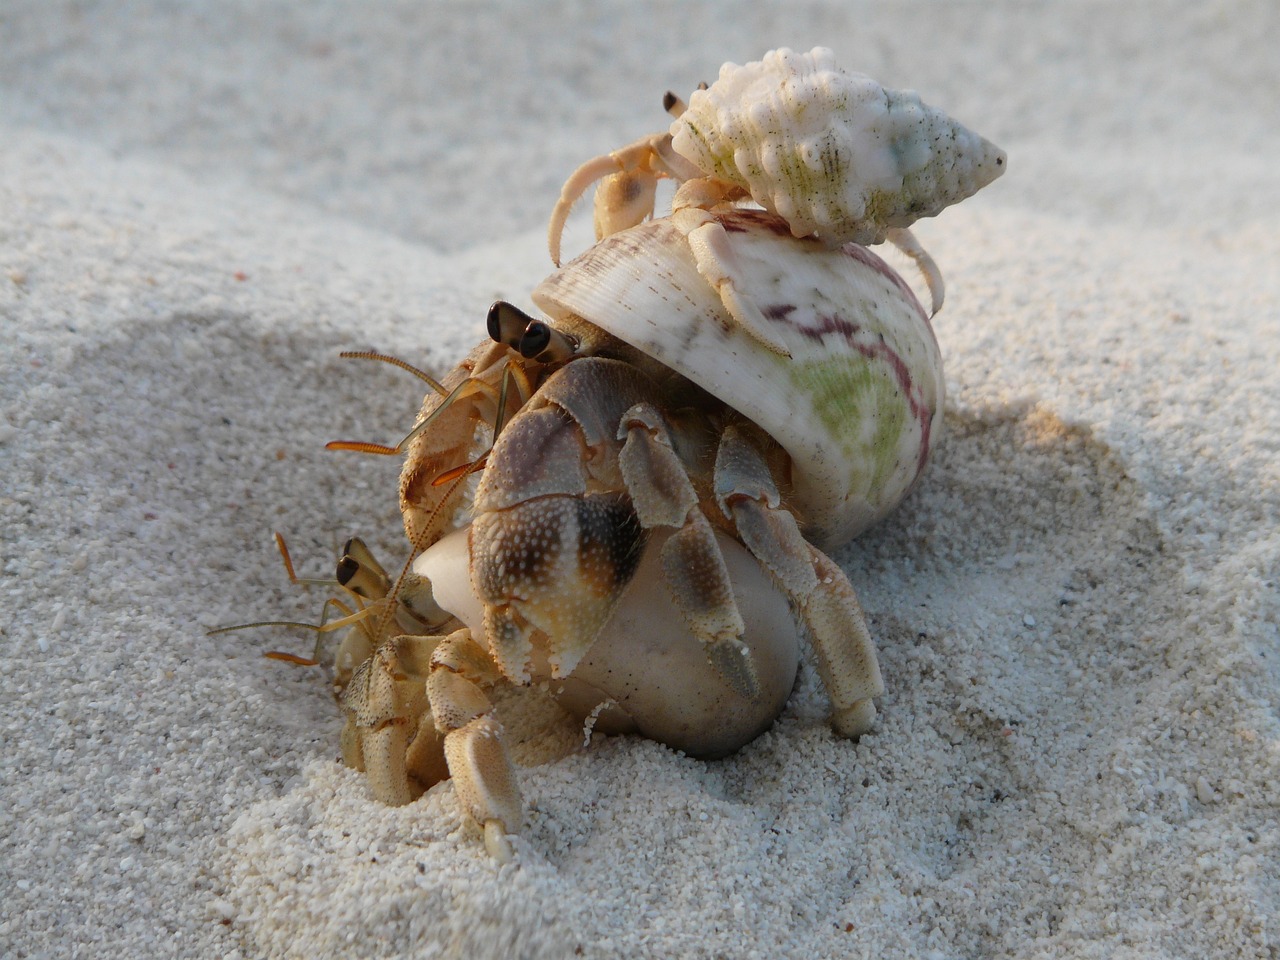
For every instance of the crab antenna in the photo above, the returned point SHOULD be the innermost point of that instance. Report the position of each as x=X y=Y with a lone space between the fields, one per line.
x=288 y=566
x=292 y=658
x=298 y=624
x=361 y=446
x=379 y=449
x=422 y=375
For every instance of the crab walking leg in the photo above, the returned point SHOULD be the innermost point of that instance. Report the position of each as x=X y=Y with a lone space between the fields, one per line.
x=388 y=734
x=906 y=241
x=444 y=435
x=482 y=773
x=847 y=660
x=693 y=567
x=717 y=265
x=626 y=197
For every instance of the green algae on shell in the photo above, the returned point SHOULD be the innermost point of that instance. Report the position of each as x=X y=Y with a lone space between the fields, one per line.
x=857 y=403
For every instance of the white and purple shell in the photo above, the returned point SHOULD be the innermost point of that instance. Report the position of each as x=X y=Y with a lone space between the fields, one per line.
x=833 y=153
x=857 y=403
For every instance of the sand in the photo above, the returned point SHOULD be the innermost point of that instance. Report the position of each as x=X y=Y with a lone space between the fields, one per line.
x=1077 y=611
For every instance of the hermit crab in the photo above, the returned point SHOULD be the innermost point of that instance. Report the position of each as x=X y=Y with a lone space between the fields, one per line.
x=647 y=443
x=832 y=153
x=628 y=500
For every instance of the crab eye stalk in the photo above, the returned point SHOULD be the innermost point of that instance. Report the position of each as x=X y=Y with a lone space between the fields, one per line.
x=542 y=342
x=507 y=323
x=360 y=573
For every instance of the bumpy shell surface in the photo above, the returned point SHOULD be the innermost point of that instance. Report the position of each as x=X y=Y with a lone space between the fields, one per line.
x=832 y=153
x=858 y=403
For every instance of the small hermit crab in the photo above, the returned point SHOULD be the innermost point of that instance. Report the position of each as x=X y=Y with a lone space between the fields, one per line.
x=832 y=153
x=652 y=458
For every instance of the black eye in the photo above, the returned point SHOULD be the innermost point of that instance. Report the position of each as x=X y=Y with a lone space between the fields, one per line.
x=347 y=568
x=507 y=323
x=537 y=335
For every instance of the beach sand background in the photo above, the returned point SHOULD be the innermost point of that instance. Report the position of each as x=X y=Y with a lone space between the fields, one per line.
x=1078 y=754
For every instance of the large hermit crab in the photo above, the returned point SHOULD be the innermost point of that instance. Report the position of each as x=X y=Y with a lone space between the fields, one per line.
x=833 y=153
x=713 y=399
x=646 y=437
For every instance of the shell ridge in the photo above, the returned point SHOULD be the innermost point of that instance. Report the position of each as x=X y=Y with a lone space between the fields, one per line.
x=860 y=341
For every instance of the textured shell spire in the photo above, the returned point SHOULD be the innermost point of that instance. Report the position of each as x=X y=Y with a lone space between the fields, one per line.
x=833 y=153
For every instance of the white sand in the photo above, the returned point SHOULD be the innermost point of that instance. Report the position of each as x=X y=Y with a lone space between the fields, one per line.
x=1079 y=753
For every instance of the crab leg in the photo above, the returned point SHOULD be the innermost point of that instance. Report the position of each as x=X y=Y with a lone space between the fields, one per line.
x=444 y=436
x=626 y=196
x=906 y=241
x=846 y=654
x=693 y=566
x=716 y=262
x=482 y=774
x=388 y=733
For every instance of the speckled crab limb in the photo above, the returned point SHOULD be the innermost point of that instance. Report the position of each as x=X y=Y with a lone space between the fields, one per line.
x=847 y=658
x=694 y=568
x=482 y=774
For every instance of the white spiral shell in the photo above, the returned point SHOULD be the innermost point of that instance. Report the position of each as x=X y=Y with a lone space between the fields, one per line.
x=833 y=153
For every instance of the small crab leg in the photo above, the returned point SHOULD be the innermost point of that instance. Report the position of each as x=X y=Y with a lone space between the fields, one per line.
x=482 y=774
x=441 y=441
x=630 y=174
x=905 y=240
x=847 y=658
x=717 y=264
x=389 y=733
